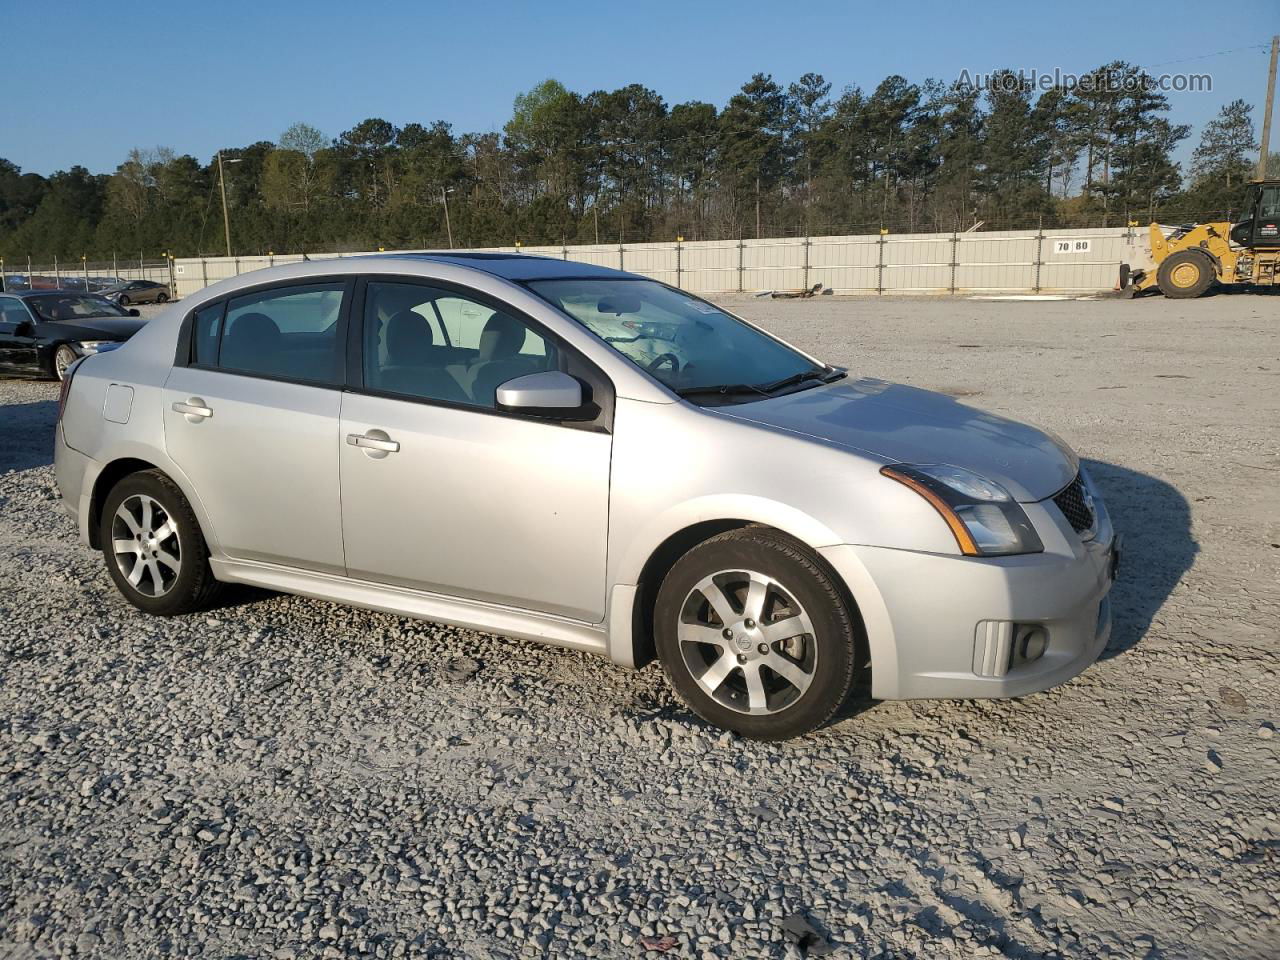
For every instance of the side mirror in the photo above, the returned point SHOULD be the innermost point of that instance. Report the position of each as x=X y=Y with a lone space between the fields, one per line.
x=134 y=312
x=21 y=328
x=550 y=394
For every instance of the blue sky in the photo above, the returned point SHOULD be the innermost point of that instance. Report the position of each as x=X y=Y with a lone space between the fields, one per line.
x=85 y=82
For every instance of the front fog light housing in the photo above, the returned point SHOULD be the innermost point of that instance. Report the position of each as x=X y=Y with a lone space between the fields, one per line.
x=985 y=520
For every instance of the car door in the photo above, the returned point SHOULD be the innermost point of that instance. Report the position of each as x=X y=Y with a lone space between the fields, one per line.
x=251 y=417
x=17 y=337
x=444 y=493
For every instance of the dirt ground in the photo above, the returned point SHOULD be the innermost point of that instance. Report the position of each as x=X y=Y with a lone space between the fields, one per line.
x=286 y=777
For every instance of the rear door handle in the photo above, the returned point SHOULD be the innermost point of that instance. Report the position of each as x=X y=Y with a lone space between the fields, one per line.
x=373 y=443
x=193 y=408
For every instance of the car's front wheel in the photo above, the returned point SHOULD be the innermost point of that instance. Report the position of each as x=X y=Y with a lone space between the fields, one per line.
x=123 y=300
x=63 y=358
x=755 y=636
x=154 y=550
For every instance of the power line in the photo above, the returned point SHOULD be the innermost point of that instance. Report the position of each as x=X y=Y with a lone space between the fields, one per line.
x=1205 y=56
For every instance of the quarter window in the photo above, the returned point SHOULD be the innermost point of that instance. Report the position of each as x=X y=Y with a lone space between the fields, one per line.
x=204 y=335
x=420 y=341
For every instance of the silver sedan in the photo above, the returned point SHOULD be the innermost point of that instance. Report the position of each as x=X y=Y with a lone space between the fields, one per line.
x=591 y=459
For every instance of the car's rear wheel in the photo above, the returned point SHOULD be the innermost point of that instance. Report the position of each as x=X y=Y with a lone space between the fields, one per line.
x=755 y=636
x=162 y=297
x=154 y=550
x=63 y=358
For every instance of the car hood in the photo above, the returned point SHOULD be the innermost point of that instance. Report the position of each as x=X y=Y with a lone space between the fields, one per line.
x=909 y=425
x=98 y=328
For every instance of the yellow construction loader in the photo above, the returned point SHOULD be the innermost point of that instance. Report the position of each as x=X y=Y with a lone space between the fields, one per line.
x=1194 y=257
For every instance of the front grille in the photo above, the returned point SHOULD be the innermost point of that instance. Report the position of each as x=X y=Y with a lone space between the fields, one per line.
x=1075 y=505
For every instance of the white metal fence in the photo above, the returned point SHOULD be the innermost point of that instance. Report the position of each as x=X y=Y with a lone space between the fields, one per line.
x=1067 y=261
x=81 y=274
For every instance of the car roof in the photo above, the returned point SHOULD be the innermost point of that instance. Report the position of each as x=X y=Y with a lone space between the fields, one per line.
x=514 y=266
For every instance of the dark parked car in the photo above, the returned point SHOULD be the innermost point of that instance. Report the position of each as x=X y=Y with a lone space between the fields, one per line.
x=43 y=332
x=137 y=291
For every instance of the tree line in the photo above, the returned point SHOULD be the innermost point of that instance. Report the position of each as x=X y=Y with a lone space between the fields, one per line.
x=622 y=165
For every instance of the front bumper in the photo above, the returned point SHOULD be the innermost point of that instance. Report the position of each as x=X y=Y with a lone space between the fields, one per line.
x=928 y=616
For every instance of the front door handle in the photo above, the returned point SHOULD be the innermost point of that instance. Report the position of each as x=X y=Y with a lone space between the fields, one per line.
x=193 y=409
x=373 y=443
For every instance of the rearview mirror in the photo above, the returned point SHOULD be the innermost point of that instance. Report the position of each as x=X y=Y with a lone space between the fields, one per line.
x=552 y=394
x=618 y=304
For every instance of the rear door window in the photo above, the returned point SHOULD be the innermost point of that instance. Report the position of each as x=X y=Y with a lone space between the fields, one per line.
x=289 y=333
x=12 y=311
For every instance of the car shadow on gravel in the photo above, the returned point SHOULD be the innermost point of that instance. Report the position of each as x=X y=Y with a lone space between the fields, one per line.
x=26 y=436
x=1155 y=520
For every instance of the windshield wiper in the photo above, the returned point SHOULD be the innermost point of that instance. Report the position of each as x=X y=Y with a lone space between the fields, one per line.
x=723 y=389
x=821 y=373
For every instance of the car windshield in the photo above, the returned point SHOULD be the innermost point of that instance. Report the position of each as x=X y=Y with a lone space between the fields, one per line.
x=73 y=307
x=692 y=346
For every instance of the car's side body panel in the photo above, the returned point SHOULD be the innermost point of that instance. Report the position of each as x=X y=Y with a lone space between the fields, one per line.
x=389 y=598
x=265 y=462
x=528 y=498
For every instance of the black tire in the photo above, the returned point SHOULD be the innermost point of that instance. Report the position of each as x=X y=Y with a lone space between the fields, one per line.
x=800 y=575
x=1185 y=274
x=162 y=297
x=194 y=587
x=123 y=300
x=63 y=357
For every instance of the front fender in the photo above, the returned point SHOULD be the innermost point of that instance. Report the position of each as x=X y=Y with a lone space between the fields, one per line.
x=744 y=507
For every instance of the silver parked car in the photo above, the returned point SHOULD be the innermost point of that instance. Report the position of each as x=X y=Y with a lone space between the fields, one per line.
x=591 y=459
x=136 y=291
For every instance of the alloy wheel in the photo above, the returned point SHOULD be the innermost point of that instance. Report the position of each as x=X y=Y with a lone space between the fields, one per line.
x=144 y=540
x=747 y=642
x=63 y=358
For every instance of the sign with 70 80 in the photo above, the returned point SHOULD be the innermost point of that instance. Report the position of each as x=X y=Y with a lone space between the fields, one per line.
x=1071 y=246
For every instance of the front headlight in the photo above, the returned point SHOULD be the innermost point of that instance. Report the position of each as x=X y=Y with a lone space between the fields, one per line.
x=985 y=520
x=86 y=347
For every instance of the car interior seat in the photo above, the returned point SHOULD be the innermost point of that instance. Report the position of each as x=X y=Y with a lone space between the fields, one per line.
x=415 y=364
x=250 y=339
x=497 y=360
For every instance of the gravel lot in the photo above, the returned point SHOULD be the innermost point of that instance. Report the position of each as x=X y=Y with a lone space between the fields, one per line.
x=290 y=778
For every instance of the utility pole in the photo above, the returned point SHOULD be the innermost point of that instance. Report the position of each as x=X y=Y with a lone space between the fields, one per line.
x=444 y=198
x=757 y=208
x=1266 y=116
x=226 y=217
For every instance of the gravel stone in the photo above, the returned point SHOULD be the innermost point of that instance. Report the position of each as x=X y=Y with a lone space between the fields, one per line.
x=158 y=799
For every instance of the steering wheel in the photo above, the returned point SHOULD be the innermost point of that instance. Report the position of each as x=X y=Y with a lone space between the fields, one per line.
x=668 y=358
